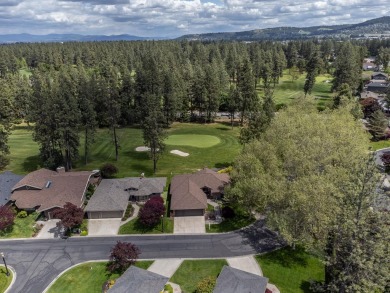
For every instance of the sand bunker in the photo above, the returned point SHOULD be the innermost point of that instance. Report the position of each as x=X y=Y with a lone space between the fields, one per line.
x=179 y=153
x=142 y=149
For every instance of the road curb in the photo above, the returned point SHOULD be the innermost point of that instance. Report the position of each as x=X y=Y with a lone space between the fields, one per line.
x=13 y=278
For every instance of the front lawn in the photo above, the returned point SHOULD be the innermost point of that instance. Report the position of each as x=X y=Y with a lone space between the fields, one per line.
x=87 y=277
x=235 y=223
x=135 y=227
x=291 y=270
x=22 y=227
x=5 y=280
x=191 y=272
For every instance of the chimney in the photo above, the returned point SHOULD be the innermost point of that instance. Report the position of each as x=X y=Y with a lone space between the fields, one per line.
x=60 y=169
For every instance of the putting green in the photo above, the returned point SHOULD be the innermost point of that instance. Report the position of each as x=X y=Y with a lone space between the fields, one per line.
x=194 y=140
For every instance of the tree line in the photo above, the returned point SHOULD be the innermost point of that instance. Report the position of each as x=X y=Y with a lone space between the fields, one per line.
x=72 y=88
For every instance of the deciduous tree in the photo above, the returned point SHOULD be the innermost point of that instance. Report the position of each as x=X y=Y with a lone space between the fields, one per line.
x=123 y=255
x=7 y=217
x=70 y=215
x=150 y=214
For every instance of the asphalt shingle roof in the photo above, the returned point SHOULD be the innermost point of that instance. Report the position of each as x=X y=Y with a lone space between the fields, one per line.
x=232 y=280
x=7 y=182
x=186 y=189
x=136 y=280
x=45 y=189
x=113 y=194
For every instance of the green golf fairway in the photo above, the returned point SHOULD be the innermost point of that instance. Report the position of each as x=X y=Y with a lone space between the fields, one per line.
x=194 y=140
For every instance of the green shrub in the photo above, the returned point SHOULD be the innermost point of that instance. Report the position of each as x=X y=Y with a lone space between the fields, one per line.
x=206 y=285
x=129 y=212
x=108 y=170
x=22 y=214
x=168 y=288
x=83 y=233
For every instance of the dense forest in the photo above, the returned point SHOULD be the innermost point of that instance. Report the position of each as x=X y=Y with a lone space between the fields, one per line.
x=65 y=89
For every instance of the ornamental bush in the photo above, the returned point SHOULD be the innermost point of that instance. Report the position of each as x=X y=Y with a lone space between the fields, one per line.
x=7 y=217
x=108 y=170
x=22 y=214
x=206 y=285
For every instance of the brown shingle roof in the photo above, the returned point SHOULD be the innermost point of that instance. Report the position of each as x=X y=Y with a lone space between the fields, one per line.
x=186 y=190
x=32 y=191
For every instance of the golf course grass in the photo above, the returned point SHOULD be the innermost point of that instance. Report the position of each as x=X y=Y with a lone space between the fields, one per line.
x=5 y=280
x=194 y=140
x=222 y=147
x=287 y=90
x=87 y=277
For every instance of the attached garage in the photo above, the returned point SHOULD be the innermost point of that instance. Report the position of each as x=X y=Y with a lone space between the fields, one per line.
x=188 y=213
x=105 y=214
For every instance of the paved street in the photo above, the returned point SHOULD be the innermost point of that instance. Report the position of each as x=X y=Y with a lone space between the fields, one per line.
x=38 y=261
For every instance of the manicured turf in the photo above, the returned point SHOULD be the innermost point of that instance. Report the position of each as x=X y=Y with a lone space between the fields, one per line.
x=194 y=140
x=22 y=228
x=228 y=225
x=191 y=272
x=288 y=90
x=291 y=270
x=377 y=145
x=24 y=151
x=135 y=227
x=5 y=280
x=87 y=278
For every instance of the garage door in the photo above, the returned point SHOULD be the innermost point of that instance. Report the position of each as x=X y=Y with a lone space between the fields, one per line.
x=187 y=213
x=105 y=215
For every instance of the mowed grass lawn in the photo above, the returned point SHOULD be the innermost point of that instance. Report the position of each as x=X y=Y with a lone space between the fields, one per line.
x=135 y=227
x=377 y=145
x=291 y=270
x=22 y=227
x=5 y=280
x=287 y=90
x=218 y=150
x=194 y=140
x=87 y=278
x=191 y=272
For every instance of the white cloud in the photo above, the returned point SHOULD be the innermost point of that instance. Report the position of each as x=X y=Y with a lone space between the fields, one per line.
x=173 y=17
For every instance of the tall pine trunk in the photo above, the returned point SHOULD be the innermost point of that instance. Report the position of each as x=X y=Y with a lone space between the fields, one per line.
x=116 y=144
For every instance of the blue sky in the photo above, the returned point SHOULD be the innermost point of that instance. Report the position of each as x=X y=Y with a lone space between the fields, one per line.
x=170 y=18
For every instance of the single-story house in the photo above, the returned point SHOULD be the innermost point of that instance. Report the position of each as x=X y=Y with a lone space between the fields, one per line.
x=378 y=87
x=136 y=280
x=112 y=196
x=45 y=190
x=379 y=75
x=232 y=280
x=7 y=182
x=189 y=192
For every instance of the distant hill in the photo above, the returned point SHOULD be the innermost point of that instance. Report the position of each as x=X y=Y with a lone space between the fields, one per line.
x=28 y=38
x=371 y=28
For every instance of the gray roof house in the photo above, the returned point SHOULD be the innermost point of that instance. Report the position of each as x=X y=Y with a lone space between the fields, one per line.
x=136 y=280
x=7 y=181
x=232 y=280
x=112 y=196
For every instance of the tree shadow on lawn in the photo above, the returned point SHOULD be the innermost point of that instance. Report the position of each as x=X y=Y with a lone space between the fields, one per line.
x=223 y=165
x=32 y=163
x=288 y=257
x=305 y=287
x=139 y=227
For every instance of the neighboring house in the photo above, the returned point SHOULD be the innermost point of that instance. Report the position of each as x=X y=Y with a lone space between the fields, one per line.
x=232 y=280
x=377 y=87
x=136 y=280
x=112 y=196
x=189 y=192
x=7 y=182
x=379 y=75
x=44 y=190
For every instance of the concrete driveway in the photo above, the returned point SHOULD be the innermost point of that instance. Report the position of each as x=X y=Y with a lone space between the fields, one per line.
x=49 y=230
x=191 y=224
x=165 y=267
x=246 y=264
x=103 y=227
